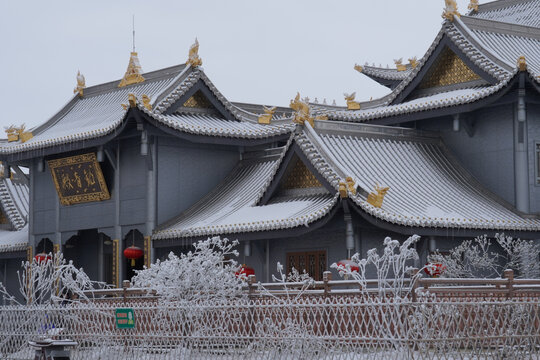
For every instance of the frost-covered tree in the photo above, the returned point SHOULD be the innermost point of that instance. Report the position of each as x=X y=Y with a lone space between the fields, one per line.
x=206 y=274
x=480 y=258
x=392 y=267
x=51 y=280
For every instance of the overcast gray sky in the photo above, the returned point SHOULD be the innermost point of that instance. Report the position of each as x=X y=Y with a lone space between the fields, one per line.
x=253 y=51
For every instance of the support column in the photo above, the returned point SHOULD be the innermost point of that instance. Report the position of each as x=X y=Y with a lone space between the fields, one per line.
x=349 y=230
x=150 y=200
x=100 y=257
x=521 y=173
x=267 y=260
x=118 y=241
x=31 y=238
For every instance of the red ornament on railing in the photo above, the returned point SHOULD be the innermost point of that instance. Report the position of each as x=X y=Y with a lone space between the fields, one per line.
x=42 y=257
x=434 y=269
x=133 y=253
x=342 y=264
x=245 y=271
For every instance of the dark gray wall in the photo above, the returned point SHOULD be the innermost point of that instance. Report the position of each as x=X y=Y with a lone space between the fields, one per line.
x=489 y=154
x=533 y=124
x=187 y=172
x=12 y=265
x=45 y=199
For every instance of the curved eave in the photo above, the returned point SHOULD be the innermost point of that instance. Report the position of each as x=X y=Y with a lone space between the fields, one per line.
x=404 y=113
x=429 y=230
x=140 y=114
x=268 y=233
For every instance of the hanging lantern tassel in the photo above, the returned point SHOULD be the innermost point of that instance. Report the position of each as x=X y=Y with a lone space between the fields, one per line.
x=133 y=253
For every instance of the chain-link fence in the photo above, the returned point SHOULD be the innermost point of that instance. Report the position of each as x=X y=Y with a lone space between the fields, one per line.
x=317 y=327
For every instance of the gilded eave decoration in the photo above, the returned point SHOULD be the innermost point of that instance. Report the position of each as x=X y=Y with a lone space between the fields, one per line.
x=399 y=65
x=133 y=72
x=78 y=179
x=448 y=69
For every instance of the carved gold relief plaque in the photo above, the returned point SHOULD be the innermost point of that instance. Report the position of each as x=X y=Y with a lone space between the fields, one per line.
x=448 y=69
x=78 y=179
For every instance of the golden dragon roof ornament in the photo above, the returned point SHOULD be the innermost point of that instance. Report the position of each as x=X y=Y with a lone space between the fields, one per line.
x=193 y=58
x=473 y=5
x=266 y=118
x=450 y=10
x=351 y=104
x=133 y=72
x=81 y=84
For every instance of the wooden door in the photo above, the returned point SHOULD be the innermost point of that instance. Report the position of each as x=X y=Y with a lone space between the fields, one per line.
x=313 y=262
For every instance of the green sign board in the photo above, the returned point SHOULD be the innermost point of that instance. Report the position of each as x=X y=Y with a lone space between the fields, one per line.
x=125 y=318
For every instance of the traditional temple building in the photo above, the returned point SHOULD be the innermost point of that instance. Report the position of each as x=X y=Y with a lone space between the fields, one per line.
x=159 y=160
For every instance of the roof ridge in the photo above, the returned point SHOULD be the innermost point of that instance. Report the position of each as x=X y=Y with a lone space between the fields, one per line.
x=502 y=27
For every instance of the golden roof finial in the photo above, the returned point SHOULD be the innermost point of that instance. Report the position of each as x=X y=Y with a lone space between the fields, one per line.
x=193 y=58
x=351 y=104
x=81 y=84
x=473 y=6
x=450 y=10
x=358 y=68
x=413 y=62
x=267 y=116
x=522 y=63
x=376 y=199
x=133 y=72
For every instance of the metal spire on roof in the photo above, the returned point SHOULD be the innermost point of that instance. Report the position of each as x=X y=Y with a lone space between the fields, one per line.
x=134 y=70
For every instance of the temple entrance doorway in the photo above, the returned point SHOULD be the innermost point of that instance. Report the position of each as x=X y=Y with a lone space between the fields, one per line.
x=92 y=251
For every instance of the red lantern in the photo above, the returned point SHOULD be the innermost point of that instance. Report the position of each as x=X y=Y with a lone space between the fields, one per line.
x=434 y=269
x=245 y=271
x=342 y=265
x=42 y=257
x=133 y=253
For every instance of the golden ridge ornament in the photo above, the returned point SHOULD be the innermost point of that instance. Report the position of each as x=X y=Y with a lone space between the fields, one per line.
x=193 y=58
x=413 y=62
x=266 y=118
x=399 y=65
x=146 y=102
x=473 y=6
x=450 y=10
x=522 y=63
x=351 y=104
x=302 y=111
x=81 y=84
x=376 y=199
x=358 y=68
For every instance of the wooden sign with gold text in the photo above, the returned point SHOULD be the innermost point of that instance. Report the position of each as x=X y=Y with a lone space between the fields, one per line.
x=78 y=179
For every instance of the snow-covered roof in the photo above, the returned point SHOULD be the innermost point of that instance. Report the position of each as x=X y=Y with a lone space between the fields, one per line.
x=428 y=187
x=14 y=200
x=99 y=112
x=11 y=241
x=232 y=206
x=492 y=39
x=523 y=12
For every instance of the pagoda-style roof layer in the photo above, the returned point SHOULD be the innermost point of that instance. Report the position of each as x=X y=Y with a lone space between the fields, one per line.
x=232 y=206
x=14 y=200
x=428 y=187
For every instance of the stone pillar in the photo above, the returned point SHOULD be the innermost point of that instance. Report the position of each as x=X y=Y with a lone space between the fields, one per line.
x=118 y=241
x=151 y=159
